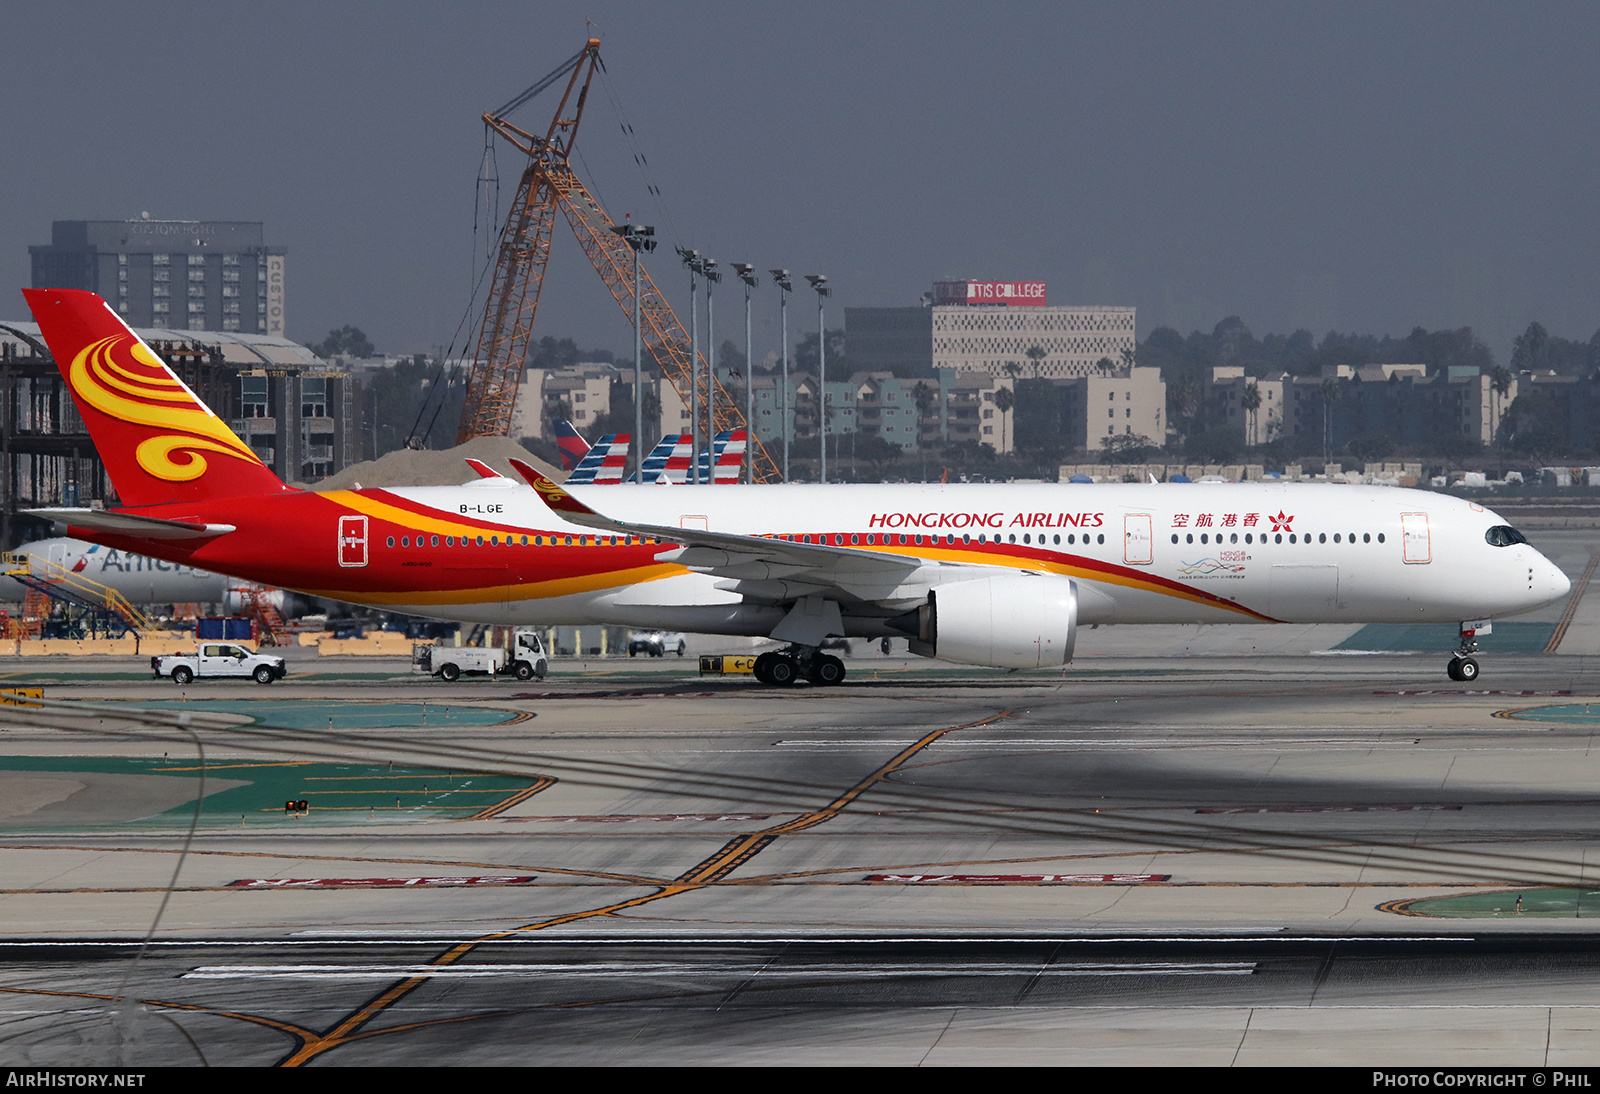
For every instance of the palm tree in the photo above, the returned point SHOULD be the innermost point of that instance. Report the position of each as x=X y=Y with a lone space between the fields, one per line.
x=1129 y=356
x=1251 y=403
x=1036 y=353
x=1106 y=366
x=1330 y=395
x=1005 y=399
x=1499 y=383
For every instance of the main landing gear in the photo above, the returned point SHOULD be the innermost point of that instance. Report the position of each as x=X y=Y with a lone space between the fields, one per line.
x=1463 y=664
x=786 y=666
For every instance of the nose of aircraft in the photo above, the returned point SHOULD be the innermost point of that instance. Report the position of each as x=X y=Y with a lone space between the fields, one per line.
x=1560 y=583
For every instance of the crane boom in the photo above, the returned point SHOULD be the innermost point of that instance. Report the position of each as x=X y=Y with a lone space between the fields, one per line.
x=547 y=184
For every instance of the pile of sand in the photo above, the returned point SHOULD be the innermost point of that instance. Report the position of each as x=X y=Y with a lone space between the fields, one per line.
x=447 y=468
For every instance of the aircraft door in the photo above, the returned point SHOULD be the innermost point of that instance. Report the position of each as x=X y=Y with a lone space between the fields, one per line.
x=352 y=541
x=1414 y=534
x=1136 y=539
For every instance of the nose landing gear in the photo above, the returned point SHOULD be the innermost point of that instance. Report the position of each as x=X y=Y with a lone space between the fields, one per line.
x=1463 y=664
x=786 y=666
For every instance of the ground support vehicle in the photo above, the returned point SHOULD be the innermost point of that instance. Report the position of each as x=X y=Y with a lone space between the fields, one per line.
x=525 y=658
x=656 y=643
x=219 y=659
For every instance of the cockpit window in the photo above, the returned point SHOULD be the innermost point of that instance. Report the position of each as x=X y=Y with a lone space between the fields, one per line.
x=1503 y=535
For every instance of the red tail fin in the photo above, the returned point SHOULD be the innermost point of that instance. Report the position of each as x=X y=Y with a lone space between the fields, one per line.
x=159 y=442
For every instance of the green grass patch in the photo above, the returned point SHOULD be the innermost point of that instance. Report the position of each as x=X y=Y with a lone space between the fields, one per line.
x=1536 y=904
x=1441 y=638
x=335 y=792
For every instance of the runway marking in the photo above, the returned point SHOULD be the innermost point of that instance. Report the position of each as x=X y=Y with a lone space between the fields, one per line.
x=232 y=767
x=1246 y=809
x=543 y=782
x=1571 y=610
x=623 y=818
x=1013 y=879
x=606 y=875
x=765 y=971
x=379 y=882
x=727 y=858
x=1471 y=692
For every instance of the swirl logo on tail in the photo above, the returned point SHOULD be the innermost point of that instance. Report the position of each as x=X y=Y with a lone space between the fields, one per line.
x=139 y=389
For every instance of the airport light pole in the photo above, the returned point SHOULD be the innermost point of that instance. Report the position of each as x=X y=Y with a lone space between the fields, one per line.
x=780 y=278
x=820 y=283
x=712 y=275
x=692 y=260
x=746 y=274
x=638 y=238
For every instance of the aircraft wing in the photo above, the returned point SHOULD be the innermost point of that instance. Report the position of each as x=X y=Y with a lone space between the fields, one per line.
x=761 y=567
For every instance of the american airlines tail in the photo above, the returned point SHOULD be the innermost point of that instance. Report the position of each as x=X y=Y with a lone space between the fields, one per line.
x=160 y=443
x=669 y=460
x=605 y=463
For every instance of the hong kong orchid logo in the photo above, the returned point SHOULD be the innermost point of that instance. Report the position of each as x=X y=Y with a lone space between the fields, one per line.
x=1280 y=523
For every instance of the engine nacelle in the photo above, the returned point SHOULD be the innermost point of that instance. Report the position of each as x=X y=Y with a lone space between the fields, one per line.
x=1016 y=621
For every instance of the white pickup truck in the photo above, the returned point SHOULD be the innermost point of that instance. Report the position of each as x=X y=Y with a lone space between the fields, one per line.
x=219 y=659
x=525 y=659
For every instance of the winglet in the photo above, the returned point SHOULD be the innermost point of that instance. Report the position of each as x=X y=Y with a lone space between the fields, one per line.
x=525 y=469
x=556 y=498
x=484 y=470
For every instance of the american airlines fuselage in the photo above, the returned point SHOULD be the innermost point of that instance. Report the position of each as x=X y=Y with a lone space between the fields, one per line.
x=139 y=578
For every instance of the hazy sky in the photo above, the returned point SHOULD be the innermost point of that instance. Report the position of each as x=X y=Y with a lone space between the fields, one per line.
x=1359 y=166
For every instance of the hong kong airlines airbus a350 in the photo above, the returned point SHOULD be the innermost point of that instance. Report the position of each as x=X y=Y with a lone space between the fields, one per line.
x=1000 y=575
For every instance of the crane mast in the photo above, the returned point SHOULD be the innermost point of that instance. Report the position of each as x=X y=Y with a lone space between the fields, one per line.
x=546 y=185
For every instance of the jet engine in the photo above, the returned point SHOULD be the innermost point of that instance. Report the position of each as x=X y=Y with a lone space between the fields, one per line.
x=1015 y=621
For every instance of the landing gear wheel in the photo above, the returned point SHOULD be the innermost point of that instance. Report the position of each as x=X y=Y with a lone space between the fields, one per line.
x=782 y=671
x=449 y=672
x=523 y=671
x=182 y=676
x=762 y=668
x=264 y=674
x=827 y=670
x=1464 y=669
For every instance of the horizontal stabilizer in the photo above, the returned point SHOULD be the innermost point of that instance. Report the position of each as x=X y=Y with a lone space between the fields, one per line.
x=128 y=524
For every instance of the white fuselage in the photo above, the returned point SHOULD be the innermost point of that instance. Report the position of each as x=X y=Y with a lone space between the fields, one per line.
x=1140 y=553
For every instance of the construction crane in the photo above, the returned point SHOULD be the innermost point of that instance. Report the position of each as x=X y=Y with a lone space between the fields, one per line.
x=548 y=184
